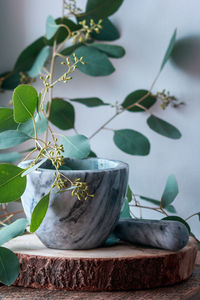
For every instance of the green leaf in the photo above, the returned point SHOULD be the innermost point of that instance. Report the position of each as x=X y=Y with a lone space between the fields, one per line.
x=6 y=119
x=111 y=50
x=101 y=9
x=28 y=128
x=135 y=96
x=92 y=154
x=129 y=194
x=34 y=167
x=51 y=27
x=76 y=146
x=12 y=185
x=9 y=266
x=131 y=142
x=39 y=63
x=10 y=231
x=10 y=157
x=11 y=138
x=62 y=114
x=69 y=50
x=169 y=50
x=11 y=81
x=170 y=191
x=97 y=63
x=126 y=210
x=39 y=213
x=62 y=33
x=27 y=58
x=169 y=208
x=176 y=218
x=25 y=101
x=164 y=128
x=108 y=32
x=111 y=240
x=90 y=102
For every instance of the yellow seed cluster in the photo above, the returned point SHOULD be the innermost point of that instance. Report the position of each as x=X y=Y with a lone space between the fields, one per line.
x=84 y=33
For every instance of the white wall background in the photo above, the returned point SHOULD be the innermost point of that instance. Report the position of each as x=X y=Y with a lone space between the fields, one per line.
x=145 y=27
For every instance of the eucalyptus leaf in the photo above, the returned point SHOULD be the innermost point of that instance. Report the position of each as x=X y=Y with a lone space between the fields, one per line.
x=129 y=194
x=76 y=146
x=28 y=128
x=11 y=81
x=34 y=167
x=101 y=9
x=169 y=50
x=162 y=127
x=170 y=191
x=92 y=154
x=97 y=63
x=12 y=185
x=131 y=142
x=62 y=114
x=6 y=119
x=113 y=51
x=62 y=32
x=39 y=63
x=27 y=58
x=169 y=208
x=51 y=27
x=69 y=50
x=25 y=102
x=137 y=95
x=39 y=213
x=9 y=266
x=10 y=156
x=179 y=219
x=108 y=32
x=126 y=210
x=11 y=138
x=90 y=102
x=12 y=230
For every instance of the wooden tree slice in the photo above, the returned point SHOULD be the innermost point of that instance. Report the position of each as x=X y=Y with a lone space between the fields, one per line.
x=120 y=267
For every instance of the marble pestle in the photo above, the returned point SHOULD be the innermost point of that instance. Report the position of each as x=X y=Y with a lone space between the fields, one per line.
x=170 y=235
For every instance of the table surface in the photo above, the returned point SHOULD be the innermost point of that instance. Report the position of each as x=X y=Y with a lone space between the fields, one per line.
x=188 y=290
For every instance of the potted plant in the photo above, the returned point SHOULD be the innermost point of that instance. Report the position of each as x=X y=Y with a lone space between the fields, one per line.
x=56 y=177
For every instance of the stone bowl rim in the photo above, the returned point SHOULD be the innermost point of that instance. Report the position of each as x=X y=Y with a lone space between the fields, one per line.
x=119 y=165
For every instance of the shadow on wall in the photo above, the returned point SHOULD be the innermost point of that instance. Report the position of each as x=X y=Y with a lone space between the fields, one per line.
x=186 y=55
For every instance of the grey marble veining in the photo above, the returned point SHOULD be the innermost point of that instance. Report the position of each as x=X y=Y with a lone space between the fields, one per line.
x=170 y=235
x=77 y=224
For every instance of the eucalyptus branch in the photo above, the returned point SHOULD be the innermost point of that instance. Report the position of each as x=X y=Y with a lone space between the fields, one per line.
x=195 y=214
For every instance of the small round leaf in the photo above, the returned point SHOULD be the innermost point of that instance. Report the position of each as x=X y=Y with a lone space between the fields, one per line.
x=9 y=266
x=164 y=128
x=76 y=146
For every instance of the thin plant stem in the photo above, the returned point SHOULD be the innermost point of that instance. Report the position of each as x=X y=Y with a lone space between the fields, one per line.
x=195 y=214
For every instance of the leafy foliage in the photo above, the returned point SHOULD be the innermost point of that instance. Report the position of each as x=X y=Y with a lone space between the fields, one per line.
x=11 y=138
x=169 y=50
x=169 y=208
x=162 y=127
x=25 y=102
x=131 y=142
x=39 y=62
x=12 y=185
x=101 y=9
x=62 y=114
x=76 y=146
x=6 y=119
x=28 y=128
x=126 y=210
x=10 y=156
x=108 y=33
x=97 y=63
x=133 y=97
x=51 y=27
x=9 y=266
x=39 y=213
x=111 y=50
x=11 y=231
x=90 y=102
x=170 y=191
x=27 y=58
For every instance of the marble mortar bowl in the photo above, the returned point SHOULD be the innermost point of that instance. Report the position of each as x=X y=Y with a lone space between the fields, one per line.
x=78 y=224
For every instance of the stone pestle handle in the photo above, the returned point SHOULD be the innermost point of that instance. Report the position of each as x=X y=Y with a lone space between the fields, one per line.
x=170 y=235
